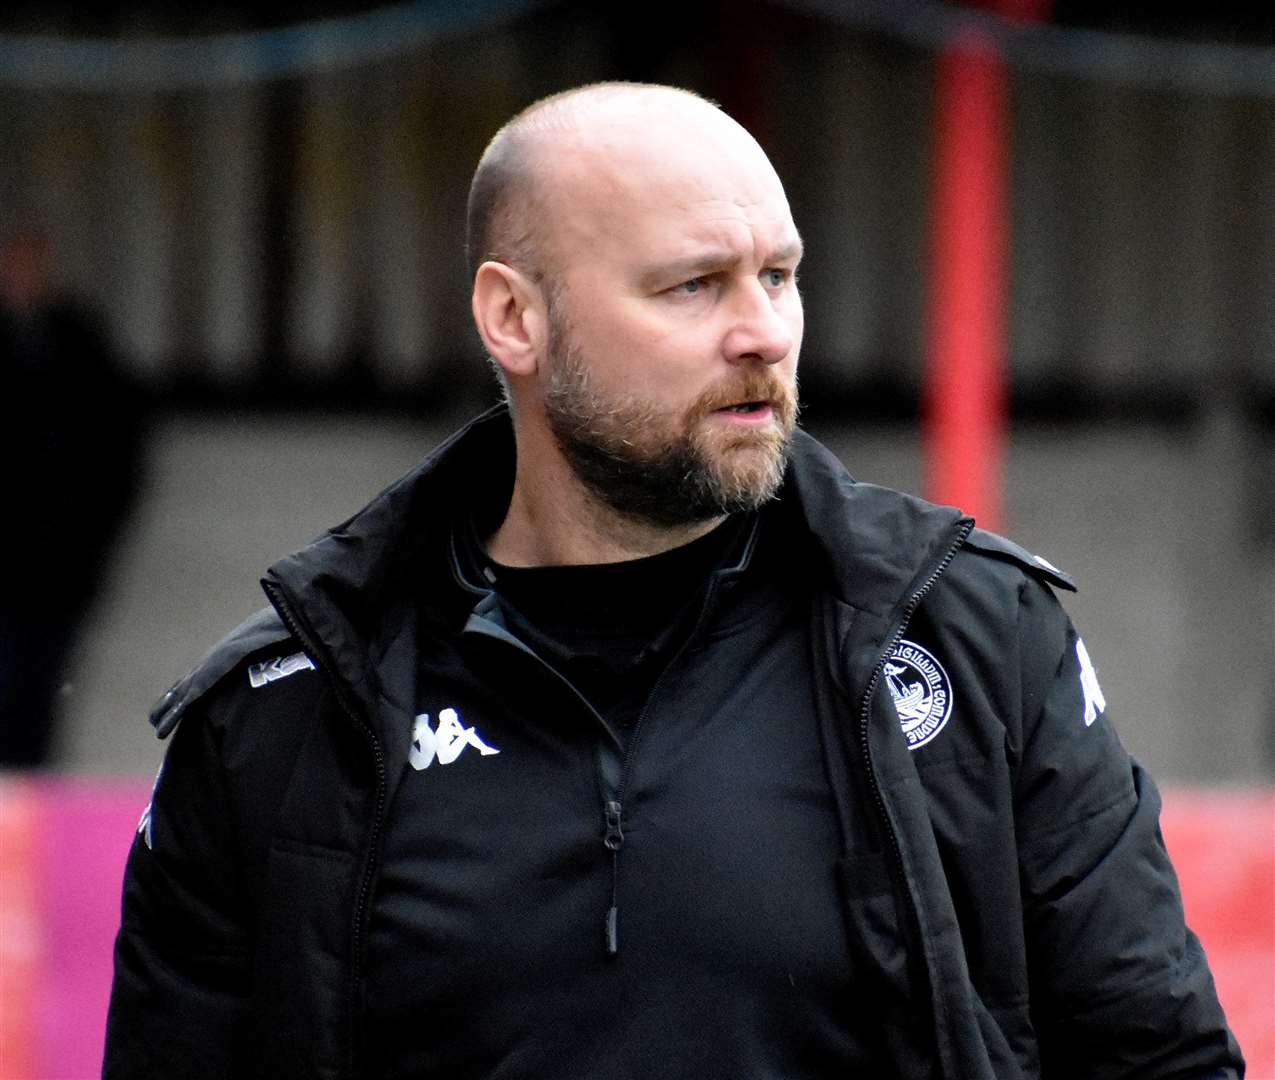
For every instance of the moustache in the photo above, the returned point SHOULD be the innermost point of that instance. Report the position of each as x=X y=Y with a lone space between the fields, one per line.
x=762 y=386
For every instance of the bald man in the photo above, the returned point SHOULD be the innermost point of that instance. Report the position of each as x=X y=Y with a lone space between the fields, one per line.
x=628 y=736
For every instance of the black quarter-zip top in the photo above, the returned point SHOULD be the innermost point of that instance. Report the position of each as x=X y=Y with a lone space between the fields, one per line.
x=731 y=958
x=613 y=632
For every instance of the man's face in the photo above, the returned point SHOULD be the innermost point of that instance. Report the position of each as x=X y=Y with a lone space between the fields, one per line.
x=648 y=461
x=675 y=324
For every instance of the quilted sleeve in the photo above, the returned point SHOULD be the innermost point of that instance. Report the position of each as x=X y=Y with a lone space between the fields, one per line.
x=1120 y=986
x=178 y=1000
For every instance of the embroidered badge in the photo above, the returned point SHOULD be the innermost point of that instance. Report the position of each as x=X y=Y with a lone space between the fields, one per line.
x=921 y=690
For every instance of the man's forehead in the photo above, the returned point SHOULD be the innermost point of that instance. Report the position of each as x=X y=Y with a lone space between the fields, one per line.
x=666 y=178
x=703 y=251
x=690 y=140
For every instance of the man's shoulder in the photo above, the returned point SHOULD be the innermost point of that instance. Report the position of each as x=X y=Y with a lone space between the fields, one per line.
x=999 y=599
x=259 y=652
x=995 y=582
x=871 y=528
x=992 y=550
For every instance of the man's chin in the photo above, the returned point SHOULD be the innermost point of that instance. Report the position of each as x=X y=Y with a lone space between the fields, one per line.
x=738 y=443
x=750 y=470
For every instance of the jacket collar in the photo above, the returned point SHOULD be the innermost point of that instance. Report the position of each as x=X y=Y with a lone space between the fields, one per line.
x=876 y=546
x=349 y=594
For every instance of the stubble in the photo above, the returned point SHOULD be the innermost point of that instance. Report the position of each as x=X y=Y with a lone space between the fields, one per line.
x=665 y=469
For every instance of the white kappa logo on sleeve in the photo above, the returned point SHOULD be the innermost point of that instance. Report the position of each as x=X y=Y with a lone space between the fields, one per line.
x=280 y=667
x=921 y=691
x=145 y=824
x=1095 y=700
x=445 y=743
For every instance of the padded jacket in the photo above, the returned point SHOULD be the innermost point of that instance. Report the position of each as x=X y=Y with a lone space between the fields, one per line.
x=1009 y=902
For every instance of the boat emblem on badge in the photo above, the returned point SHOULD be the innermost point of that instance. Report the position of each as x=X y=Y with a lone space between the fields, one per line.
x=921 y=691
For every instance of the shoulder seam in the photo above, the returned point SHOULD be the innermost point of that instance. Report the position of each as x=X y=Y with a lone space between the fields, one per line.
x=259 y=632
x=999 y=547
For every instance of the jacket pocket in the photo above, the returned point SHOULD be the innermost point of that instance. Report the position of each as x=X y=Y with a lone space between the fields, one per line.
x=892 y=1013
x=301 y=986
x=1011 y=1043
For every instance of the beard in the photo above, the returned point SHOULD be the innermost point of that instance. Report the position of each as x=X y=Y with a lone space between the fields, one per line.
x=659 y=468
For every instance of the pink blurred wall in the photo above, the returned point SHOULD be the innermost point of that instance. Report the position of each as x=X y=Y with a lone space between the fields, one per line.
x=63 y=843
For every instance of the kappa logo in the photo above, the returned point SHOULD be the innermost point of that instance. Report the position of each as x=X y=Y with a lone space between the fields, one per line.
x=279 y=668
x=1095 y=700
x=145 y=823
x=921 y=690
x=445 y=743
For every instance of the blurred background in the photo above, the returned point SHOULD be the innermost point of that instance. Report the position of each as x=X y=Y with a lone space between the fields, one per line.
x=1040 y=250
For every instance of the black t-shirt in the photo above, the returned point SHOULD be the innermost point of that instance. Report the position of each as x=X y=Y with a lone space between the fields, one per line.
x=611 y=628
x=486 y=953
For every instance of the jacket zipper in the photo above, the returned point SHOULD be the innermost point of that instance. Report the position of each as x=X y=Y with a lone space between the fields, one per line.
x=613 y=809
x=865 y=714
x=613 y=834
x=378 y=754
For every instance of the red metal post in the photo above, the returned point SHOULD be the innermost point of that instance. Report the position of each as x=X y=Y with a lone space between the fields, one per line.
x=966 y=381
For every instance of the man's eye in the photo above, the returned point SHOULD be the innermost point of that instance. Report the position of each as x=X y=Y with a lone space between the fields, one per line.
x=689 y=287
x=774 y=278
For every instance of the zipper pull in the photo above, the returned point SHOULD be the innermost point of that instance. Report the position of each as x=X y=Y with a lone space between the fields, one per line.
x=613 y=934
x=615 y=835
x=613 y=839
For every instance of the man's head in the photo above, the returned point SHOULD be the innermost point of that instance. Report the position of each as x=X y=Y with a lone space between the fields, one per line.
x=634 y=259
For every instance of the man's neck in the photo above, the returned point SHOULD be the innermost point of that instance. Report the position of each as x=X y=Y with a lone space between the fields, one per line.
x=553 y=520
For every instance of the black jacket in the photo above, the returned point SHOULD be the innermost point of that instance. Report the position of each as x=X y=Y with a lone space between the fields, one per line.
x=1012 y=904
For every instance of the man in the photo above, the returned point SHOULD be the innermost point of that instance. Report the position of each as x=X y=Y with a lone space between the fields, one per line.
x=61 y=394
x=628 y=736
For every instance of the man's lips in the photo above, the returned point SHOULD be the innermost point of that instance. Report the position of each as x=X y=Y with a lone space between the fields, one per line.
x=755 y=411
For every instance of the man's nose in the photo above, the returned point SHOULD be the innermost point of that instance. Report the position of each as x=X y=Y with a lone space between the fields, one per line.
x=759 y=332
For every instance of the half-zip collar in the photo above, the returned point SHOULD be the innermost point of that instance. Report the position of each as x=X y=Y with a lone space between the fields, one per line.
x=493 y=618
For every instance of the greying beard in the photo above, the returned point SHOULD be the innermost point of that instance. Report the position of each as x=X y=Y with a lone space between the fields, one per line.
x=634 y=460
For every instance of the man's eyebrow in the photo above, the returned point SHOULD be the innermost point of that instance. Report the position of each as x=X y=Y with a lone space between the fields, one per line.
x=712 y=261
x=790 y=251
x=704 y=262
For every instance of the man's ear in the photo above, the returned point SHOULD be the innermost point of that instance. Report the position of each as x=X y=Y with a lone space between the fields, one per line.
x=509 y=311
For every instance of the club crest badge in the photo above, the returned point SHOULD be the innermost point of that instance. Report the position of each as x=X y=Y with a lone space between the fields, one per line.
x=921 y=691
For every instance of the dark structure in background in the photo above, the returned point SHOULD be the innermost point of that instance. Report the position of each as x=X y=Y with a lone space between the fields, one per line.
x=291 y=241
x=70 y=440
